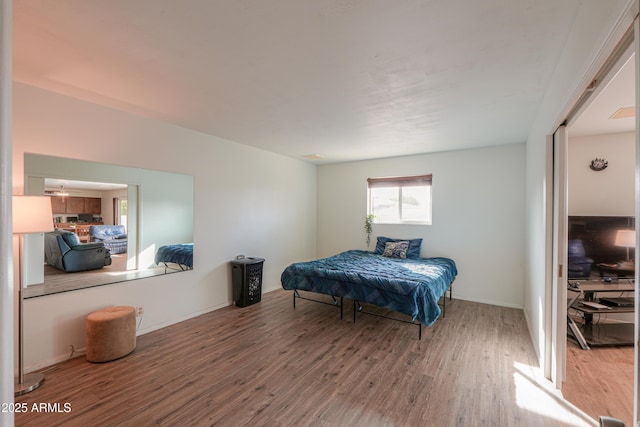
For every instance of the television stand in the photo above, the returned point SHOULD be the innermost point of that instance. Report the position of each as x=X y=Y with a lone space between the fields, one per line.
x=602 y=332
x=621 y=270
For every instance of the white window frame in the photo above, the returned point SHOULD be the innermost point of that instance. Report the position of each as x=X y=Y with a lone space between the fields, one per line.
x=401 y=182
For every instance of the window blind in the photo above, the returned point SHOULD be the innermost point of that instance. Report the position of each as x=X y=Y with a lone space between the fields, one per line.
x=400 y=181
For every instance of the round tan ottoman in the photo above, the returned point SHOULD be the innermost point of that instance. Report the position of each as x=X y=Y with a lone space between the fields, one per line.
x=111 y=333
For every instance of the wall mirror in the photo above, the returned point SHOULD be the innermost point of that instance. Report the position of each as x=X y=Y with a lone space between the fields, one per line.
x=153 y=208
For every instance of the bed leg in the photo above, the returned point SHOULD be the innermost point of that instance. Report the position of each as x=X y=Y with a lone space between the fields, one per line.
x=420 y=331
x=335 y=302
x=295 y=293
x=341 y=306
x=354 y=311
x=444 y=306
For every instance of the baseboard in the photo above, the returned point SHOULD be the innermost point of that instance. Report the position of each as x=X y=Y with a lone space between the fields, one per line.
x=42 y=365
x=484 y=301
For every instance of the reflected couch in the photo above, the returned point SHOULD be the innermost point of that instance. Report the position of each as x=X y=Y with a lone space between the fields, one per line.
x=63 y=250
x=114 y=237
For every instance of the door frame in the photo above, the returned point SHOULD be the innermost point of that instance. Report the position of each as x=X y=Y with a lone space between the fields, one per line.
x=555 y=354
x=559 y=257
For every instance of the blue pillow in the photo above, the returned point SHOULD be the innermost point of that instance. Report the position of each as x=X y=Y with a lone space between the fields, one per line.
x=414 y=246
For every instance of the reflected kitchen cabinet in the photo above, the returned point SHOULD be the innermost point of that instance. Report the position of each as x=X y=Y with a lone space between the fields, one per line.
x=76 y=205
x=59 y=205
x=92 y=205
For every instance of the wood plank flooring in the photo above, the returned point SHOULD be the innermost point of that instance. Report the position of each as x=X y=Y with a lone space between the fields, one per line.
x=600 y=381
x=272 y=365
x=56 y=281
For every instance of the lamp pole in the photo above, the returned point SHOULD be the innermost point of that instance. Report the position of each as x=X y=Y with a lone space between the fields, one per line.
x=31 y=214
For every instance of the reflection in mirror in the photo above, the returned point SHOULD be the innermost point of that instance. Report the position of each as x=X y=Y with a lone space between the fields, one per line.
x=143 y=217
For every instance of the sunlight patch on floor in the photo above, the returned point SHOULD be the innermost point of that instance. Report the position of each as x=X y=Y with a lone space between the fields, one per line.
x=138 y=273
x=536 y=394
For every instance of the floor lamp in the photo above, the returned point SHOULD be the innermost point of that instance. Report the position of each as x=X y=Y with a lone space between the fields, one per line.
x=31 y=214
x=626 y=239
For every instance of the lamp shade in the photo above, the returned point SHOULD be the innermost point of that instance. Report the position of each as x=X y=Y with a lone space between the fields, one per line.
x=32 y=214
x=625 y=238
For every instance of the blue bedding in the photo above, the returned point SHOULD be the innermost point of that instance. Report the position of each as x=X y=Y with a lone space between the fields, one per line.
x=181 y=253
x=410 y=286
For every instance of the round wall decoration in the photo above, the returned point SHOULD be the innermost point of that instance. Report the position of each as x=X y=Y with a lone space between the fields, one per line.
x=598 y=164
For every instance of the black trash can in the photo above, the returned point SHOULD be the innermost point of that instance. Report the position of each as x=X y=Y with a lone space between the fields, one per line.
x=246 y=274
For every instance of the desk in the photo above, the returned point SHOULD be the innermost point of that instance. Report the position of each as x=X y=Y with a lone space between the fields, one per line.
x=591 y=334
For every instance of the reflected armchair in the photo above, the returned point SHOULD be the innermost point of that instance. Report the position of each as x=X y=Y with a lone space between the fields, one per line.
x=63 y=250
x=579 y=263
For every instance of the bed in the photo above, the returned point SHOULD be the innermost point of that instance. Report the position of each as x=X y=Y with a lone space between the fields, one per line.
x=180 y=255
x=412 y=286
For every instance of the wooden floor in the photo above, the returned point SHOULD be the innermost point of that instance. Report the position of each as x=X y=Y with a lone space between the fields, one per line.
x=600 y=381
x=57 y=281
x=272 y=365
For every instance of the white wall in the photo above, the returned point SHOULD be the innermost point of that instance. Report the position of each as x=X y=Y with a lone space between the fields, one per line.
x=107 y=204
x=478 y=215
x=247 y=201
x=596 y=26
x=610 y=192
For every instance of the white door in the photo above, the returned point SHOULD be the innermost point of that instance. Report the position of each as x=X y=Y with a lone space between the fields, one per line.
x=636 y=395
x=559 y=253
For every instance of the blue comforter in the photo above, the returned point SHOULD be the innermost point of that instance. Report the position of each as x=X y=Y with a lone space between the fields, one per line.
x=181 y=253
x=409 y=286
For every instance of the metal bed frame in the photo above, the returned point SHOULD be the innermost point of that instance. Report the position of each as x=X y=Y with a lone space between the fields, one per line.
x=183 y=267
x=358 y=307
x=335 y=303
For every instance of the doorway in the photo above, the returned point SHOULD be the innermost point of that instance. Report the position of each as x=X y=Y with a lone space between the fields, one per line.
x=120 y=211
x=600 y=205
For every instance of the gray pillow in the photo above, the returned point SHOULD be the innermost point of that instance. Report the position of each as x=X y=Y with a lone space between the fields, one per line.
x=396 y=249
x=415 y=246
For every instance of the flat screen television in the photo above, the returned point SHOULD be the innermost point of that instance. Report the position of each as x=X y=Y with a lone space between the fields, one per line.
x=598 y=235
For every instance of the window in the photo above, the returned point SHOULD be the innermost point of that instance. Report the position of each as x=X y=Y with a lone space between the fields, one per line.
x=400 y=200
x=120 y=211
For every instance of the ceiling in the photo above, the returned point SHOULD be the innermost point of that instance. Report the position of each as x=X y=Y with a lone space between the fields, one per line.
x=617 y=93
x=344 y=79
x=67 y=184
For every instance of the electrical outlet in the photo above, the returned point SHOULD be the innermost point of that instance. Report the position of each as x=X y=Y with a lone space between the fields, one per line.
x=139 y=311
